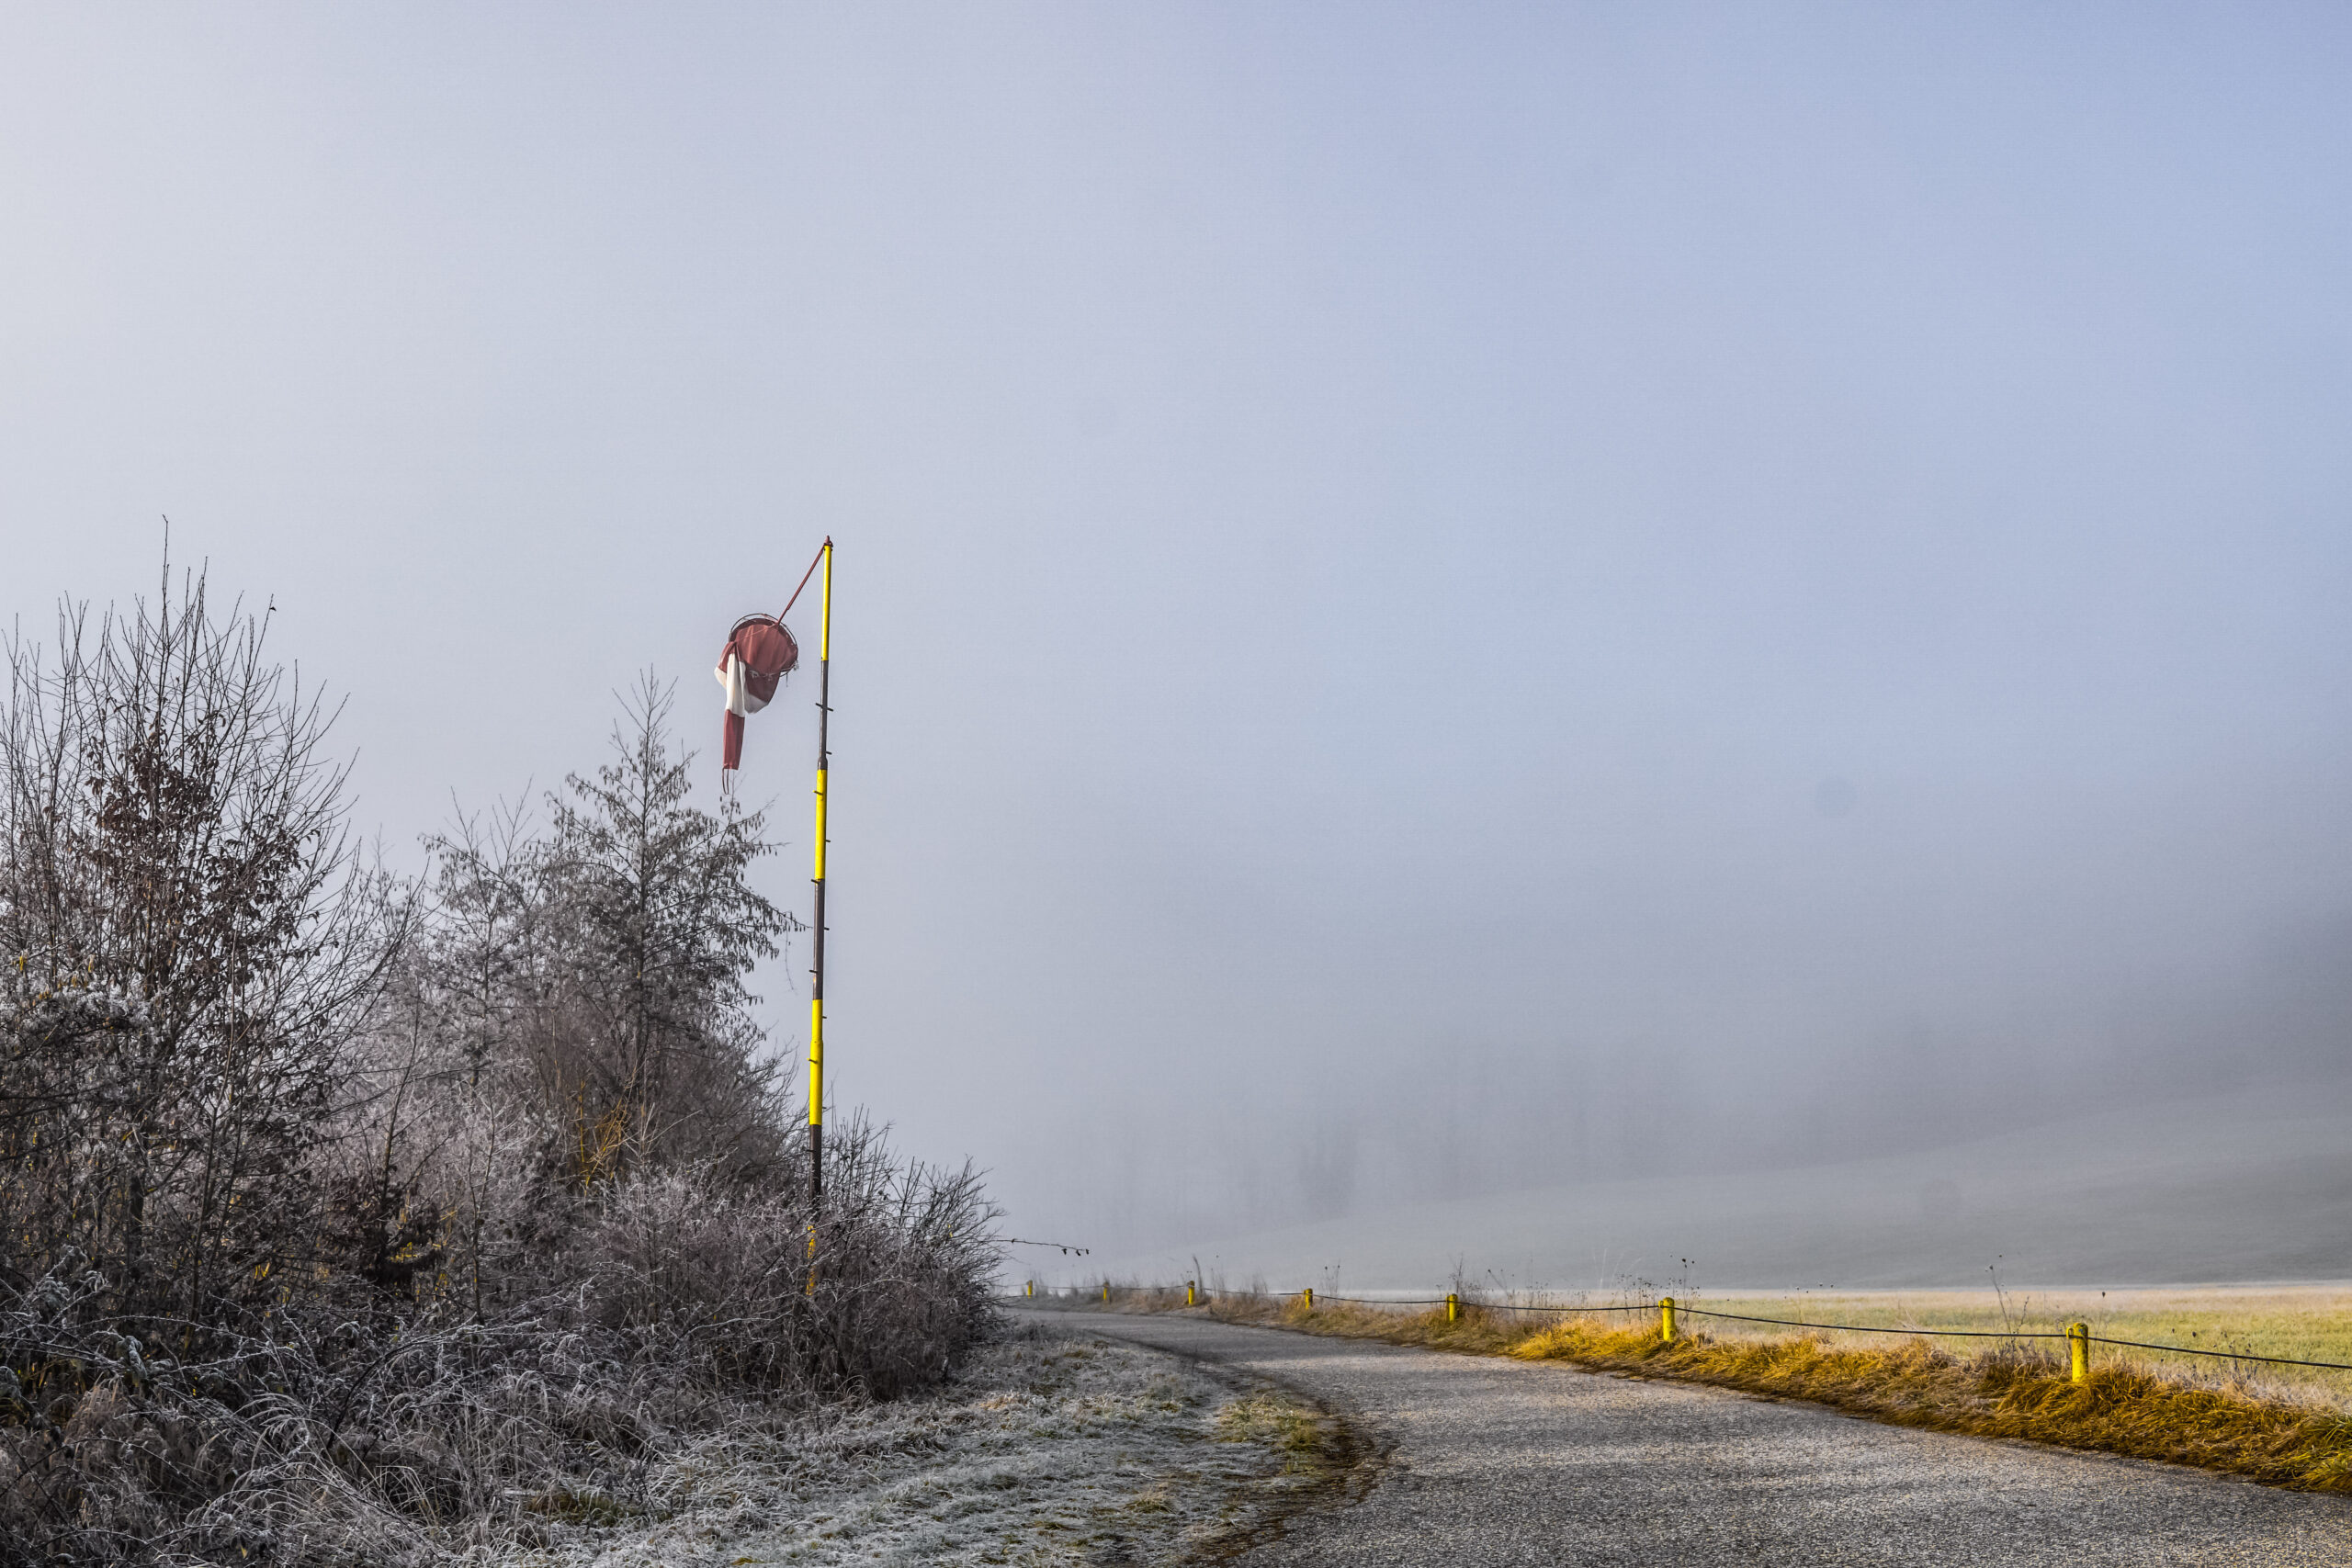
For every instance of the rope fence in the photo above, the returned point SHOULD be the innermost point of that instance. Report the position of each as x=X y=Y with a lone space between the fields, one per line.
x=2078 y=1335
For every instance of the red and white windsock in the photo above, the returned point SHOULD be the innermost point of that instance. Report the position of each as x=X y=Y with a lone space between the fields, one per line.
x=758 y=654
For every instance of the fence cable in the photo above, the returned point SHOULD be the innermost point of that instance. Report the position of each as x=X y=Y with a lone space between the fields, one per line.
x=1859 y=1328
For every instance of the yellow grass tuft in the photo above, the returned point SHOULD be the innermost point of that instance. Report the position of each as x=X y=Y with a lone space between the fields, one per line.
x=1296 y=1432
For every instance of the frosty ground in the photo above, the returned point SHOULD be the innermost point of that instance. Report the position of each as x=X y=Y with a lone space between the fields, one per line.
x=1051 y=1448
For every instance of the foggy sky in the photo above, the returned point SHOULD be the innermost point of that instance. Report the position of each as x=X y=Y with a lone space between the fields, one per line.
x=1430 y=599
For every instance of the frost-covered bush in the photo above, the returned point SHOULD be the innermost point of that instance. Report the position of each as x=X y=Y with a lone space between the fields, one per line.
x=313 y=1435
x=349 y=1219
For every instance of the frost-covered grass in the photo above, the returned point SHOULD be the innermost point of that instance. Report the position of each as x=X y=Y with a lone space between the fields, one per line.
x=1048 y=1449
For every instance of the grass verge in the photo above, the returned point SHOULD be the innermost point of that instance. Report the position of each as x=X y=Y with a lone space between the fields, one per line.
x=2009 y=1392
x=1046 y=1450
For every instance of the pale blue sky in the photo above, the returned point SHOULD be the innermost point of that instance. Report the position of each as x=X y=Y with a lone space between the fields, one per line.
x=1370 y=536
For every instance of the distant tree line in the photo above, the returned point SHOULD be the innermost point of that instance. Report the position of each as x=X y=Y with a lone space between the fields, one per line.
x=346 y=1216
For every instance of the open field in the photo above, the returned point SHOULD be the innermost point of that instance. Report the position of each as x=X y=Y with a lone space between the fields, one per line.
x=2240 y=1188
x=2299 y=1322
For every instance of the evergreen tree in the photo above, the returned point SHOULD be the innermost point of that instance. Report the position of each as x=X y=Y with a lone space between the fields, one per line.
x=659 y=928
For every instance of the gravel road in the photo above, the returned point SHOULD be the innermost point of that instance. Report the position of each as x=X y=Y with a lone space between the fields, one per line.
x=1493 y=1462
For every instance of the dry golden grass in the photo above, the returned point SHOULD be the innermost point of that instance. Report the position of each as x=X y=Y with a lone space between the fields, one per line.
x=2302 y=1321
x=1298 y=1434
x=2013 y=1390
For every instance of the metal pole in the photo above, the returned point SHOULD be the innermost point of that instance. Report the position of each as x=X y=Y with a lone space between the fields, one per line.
x=817 y=988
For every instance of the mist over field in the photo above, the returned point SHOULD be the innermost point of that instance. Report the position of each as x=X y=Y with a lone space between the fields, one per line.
x=1433 y=604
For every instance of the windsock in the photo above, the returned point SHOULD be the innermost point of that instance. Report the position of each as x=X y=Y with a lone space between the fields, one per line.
x=758 y=654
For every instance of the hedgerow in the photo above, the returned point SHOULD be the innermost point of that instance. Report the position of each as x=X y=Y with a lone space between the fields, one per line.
x=347 y=1216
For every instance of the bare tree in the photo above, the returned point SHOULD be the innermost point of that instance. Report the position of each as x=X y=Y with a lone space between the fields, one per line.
x=483 y=971
x=195 y=935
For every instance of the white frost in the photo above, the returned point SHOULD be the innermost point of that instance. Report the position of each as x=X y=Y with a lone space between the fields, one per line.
x=1048 y=1450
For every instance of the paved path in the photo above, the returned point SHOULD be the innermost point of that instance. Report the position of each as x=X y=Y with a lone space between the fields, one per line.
x=1496 y=1462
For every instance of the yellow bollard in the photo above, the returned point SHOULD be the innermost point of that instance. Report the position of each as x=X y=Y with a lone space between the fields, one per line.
x=1030 y=1288
x=1453 y=1307
x=2078 y=1350
x=1107 y=1294
x=1192 y=1295
x=1666 y=1319
x=1310 y=1294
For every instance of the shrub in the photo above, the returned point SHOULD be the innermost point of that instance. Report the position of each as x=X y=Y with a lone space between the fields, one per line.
x=350 y=1218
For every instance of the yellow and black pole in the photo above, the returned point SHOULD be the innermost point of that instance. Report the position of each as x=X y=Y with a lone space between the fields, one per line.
x=816 y=986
